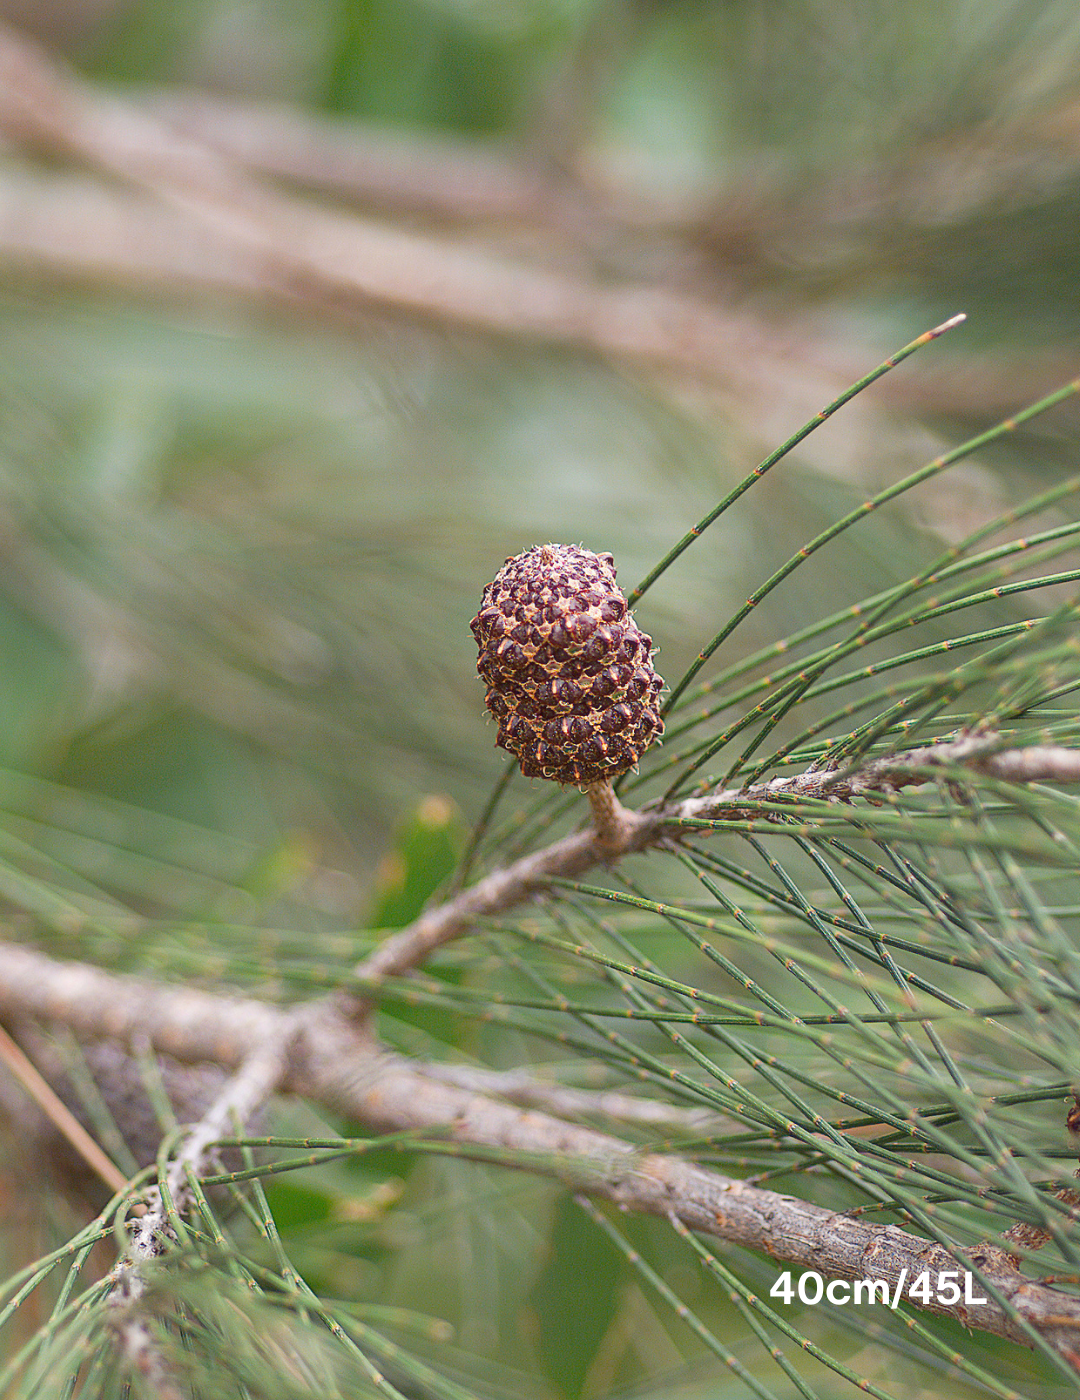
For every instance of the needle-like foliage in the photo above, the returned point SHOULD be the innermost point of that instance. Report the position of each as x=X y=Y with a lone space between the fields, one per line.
x=855 y=981
x=337 y=1058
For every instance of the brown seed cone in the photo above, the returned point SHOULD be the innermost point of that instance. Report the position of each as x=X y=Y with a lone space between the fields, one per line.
x=569 y=672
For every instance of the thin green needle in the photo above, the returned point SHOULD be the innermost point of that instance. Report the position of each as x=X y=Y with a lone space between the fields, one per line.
x=782 y=451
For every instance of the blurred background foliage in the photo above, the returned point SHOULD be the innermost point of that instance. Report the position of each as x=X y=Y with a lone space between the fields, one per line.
x=241 y=538
x=241 y=547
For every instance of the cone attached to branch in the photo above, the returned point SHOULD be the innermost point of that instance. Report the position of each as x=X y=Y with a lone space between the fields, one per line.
x=569 y=672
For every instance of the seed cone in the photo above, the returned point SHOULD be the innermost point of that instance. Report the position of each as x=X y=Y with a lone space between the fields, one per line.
x=568 y=670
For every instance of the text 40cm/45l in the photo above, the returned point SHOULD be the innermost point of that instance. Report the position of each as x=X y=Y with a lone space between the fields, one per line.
x=946 y=1288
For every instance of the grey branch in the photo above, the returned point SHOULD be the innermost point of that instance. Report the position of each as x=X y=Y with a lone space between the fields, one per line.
x=333 y=1062
x=638 y=830
x=239 y=1100
x=569 y=1101
x=148 y=1235
x=458 y=180
x=506 y=888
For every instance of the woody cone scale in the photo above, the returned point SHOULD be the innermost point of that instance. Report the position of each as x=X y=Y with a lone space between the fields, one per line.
x=569 y=672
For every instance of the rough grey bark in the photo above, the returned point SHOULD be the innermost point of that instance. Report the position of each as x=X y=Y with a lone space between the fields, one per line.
x=331 y=1060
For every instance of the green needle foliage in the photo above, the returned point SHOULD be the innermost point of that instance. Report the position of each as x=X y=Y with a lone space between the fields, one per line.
x=242 y=531
x=873 y=1005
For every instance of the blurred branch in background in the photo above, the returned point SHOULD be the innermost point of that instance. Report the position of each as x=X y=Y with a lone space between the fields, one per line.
x=302 y=244
x=724 y=241
x=585 y=290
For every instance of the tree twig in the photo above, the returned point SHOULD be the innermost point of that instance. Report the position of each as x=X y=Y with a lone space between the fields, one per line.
x=241 y=1097
x=73 y=226
x=610 y=817
x=601 y=202
x=411 y=173
x=335 y=1063
x=638 y=830
x=323 y=1052
x=573 y=1103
